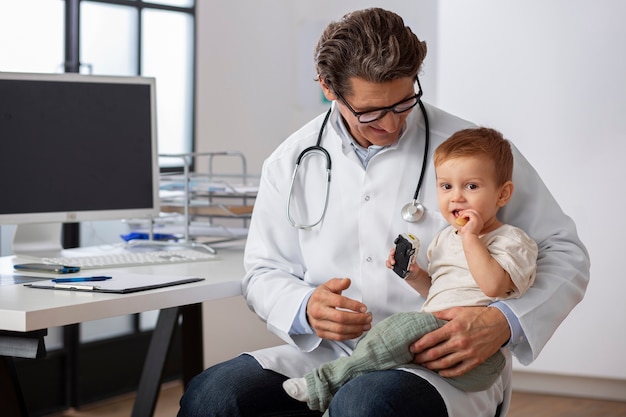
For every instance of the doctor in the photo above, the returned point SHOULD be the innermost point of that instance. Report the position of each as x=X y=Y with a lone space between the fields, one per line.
x=316 y=271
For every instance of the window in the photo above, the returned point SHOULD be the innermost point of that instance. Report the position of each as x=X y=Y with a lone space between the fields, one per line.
x=32 y=33
x=115 y=37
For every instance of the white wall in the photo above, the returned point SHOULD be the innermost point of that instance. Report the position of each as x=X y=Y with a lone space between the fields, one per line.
x=550 y=76
x=255 y=67
x=548 y=73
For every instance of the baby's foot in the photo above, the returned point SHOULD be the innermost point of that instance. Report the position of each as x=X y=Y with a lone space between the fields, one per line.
x=297 y=389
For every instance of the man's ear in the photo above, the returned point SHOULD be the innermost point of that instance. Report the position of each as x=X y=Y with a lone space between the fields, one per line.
x=328 y=93
x=506 y=191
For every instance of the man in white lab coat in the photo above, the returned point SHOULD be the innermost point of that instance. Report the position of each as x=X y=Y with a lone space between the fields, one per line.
x=315 y=261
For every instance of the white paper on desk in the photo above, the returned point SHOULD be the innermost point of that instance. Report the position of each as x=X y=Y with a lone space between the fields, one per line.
x=121 y=283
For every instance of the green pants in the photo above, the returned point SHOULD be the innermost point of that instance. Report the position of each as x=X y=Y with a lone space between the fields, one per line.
x=386 y=346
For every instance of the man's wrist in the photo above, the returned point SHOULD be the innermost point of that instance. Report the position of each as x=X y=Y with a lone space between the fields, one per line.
x=517 y=333
x=301 y=324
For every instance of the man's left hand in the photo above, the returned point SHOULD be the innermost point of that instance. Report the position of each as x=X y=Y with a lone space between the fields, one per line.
x=471 y=335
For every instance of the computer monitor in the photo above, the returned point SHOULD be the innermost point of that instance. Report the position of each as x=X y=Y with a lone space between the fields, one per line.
x=75 y=148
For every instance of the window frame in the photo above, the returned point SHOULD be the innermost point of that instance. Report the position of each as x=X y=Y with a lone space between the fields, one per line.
x=72 y=62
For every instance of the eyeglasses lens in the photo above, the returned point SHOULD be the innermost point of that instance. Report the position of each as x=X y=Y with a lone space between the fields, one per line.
x=372 y=116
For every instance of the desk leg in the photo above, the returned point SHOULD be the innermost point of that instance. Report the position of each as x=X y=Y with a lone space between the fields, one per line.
x=193 y=356
x=150 y=382
x=21 y=345
x=11 y=400
x=71 y=343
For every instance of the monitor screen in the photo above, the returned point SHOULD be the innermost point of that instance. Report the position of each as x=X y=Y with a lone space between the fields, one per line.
x=77 y=147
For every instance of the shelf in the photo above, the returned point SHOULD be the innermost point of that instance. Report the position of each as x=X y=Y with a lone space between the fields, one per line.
x=200 y=202
x=217 y=210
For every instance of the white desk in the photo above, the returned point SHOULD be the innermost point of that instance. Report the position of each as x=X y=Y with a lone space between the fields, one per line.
x=25 y=309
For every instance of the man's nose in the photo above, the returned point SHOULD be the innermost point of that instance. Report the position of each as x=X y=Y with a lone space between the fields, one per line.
x=390 y=121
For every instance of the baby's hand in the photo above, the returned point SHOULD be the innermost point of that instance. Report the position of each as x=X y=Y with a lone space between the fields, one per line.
x=417 y=277
x=469 y=221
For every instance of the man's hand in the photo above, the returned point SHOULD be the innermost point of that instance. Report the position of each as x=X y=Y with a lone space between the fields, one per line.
x=471 y=335
x=334 y=316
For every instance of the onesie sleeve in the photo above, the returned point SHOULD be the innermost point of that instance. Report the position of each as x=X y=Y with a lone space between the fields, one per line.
x=517 y=253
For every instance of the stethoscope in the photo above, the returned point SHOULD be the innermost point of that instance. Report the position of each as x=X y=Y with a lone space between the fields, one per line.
x=412 y=211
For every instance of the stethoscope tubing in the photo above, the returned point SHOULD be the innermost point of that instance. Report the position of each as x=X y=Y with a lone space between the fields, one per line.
x=426 y=146
x=318 y=148
x=305 y=153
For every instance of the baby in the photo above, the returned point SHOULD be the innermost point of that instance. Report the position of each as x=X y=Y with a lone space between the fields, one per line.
x=474 y=261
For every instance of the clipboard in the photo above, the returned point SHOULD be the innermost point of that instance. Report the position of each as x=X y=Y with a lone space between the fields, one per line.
x=120 y=283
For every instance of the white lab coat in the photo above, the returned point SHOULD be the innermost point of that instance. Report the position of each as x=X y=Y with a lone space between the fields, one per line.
x=363 y=218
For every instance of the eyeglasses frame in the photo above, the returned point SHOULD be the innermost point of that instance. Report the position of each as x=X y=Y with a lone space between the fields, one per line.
x=384 y=110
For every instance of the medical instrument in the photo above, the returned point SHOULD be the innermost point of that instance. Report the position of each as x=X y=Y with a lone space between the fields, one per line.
x=407 y=246
x=311 y=150
x=411 y=212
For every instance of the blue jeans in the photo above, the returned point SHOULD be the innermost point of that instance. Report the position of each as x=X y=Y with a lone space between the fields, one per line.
x=241 y=387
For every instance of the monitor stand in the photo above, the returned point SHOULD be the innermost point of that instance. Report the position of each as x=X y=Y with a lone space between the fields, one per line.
x=38 y=240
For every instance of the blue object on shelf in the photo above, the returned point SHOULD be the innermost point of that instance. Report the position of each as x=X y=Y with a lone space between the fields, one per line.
x=146 y=236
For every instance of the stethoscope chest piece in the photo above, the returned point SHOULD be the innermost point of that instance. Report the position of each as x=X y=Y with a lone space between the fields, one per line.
x=412 y=212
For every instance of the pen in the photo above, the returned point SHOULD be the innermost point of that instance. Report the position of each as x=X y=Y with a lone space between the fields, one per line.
x=80 y=279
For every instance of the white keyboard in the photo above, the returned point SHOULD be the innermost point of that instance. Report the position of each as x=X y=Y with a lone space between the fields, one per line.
x=113 y=260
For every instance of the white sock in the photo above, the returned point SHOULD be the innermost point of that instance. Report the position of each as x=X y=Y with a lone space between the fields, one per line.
x=297 y=389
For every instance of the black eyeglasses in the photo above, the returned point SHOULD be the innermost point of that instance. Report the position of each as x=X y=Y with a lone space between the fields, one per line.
x=377 y=114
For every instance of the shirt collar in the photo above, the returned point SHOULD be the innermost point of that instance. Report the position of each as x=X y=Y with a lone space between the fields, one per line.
x=364 y=154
